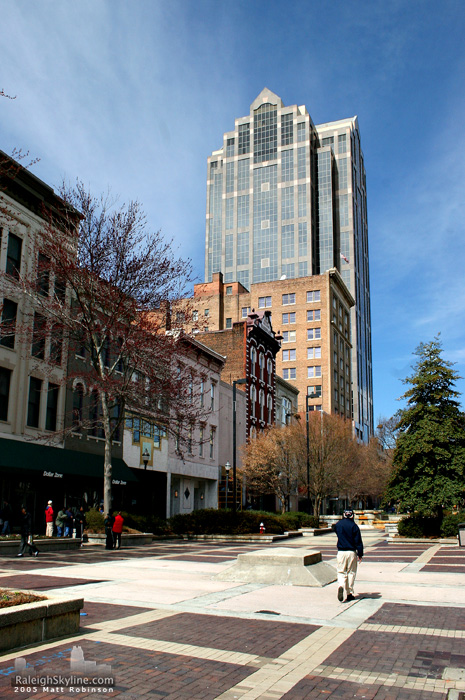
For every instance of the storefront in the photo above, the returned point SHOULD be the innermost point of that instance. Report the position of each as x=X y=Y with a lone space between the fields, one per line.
x=32 y=474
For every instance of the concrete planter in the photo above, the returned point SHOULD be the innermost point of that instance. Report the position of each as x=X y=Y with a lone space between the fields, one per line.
x=128 y=540
x=30 y=623
x=48 y=544
x=243 y=538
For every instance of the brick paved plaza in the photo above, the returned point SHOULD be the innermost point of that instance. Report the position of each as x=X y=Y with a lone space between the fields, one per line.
x=170 y=630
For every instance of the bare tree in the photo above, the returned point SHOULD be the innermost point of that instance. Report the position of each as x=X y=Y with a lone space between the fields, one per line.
x=274 y=462
x=94 y=296
x=332 y=452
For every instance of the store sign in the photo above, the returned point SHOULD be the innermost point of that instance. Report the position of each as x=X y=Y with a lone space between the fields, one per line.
x=119 y=483
x=54 y=475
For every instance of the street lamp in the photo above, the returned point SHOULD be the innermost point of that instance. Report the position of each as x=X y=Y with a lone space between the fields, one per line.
x=145 y=457
x=227 y=467
x=236 y=381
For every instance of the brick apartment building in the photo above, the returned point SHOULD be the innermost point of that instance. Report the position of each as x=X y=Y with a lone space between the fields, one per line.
x=313 y=318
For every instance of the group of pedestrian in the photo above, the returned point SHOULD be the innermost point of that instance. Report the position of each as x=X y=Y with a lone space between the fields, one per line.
x=66 y=521
x=113 y=529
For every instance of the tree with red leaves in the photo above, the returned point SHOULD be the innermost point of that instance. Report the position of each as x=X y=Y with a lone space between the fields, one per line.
x=90 y=305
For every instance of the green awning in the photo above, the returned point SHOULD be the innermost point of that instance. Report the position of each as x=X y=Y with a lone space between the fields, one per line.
x=56 y=462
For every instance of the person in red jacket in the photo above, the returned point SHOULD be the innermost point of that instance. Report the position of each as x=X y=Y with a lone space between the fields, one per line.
x=49 y=520
x=117 y=529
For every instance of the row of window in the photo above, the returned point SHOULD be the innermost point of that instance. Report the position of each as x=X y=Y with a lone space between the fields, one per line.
x=312 y=353
x=312 y=334
x=287 y=299
x=37 y=389
x=312 y=315
x=291 y=372
x=13 y=268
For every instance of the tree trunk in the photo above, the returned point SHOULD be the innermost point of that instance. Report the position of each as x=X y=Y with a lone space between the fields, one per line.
x=107 y=469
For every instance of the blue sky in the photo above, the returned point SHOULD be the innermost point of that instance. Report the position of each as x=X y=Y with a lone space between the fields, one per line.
x=135 y=94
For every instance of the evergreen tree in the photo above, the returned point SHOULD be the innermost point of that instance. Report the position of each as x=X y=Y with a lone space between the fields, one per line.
x=429 y=458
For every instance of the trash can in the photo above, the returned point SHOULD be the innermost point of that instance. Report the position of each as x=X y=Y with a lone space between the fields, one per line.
x=461 y=535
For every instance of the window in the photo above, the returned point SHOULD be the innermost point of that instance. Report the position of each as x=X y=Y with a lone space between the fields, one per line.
x=313 y=296
x=56 y=345
x=38 y=337
x=212 y=397
x=229 y=290
x=95 y=415
x=189 y=440
x=202 y=392
x=206 y=312
x=33 y=406
x=288 y=299
x=286 y=129
x=201 y=439
x=336 y=376
x=78 y=402
x=229 y=148
x=195 y=316
x=261 y=360
x=253 y=359
x=289 y=355
x=43 y=275
x=262 y=404
x=136 y=430
x=5 y=376
x=245 y=311
x=229 y=323
x=243 y=142
x=314 y=391
x=313 y=353
x=52 y=407
x=212 y=442
x=269 y=366
x=13 y=255
x=8 y=324
x=328 y=141
x=341 y=143
x=288 y=336
x=289 y=318
x=314 y=315
x=300 y=131
x=253 y=399
x=314 y=371
x=264 y=302
x=289 y=373
x=313 y=333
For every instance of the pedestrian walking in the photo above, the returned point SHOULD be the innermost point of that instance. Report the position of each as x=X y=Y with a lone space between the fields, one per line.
x=26 y=535
x=108 y=523
x=349 y=550
x=117 y=529
x=6 y=517
x=49 y=520
x=60 y=521
x=80 y=522
x=69 y=522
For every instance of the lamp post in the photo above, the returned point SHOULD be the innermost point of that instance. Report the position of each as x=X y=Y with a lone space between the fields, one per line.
x=227 y=467
x=235 y=382
x=145 y=457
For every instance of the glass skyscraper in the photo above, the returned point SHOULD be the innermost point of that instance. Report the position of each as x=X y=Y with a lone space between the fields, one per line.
x=287 y=199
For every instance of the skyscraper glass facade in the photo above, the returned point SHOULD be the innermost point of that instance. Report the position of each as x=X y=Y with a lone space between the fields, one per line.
x=288 y=198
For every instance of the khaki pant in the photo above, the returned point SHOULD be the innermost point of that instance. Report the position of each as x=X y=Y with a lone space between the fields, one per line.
x=346 y=570
x=49 y=530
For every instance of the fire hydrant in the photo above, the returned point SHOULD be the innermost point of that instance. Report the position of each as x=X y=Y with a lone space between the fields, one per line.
x=262 y=529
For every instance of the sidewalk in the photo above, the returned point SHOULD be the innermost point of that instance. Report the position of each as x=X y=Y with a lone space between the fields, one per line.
x=170 y=630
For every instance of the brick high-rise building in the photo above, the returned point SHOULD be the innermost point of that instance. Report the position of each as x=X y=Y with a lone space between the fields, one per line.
x=286 y=199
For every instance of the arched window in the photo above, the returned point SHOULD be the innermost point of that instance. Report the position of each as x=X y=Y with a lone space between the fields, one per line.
x=253 y=359
x=269 y=405
x=253 y=400
x=262 y=404
x=262 y=366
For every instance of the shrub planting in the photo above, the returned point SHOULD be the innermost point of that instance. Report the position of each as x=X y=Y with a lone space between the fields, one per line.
x=419 y=526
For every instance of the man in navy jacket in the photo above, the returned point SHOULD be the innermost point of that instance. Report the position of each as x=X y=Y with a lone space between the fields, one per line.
x=349 y=549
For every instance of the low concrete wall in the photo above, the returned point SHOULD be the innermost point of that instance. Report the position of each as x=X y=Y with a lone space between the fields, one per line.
x=128 y=540
x=244 y=538
x=47 y=544
x=22 y=625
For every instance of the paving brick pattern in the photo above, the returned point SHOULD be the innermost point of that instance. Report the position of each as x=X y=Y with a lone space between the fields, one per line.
x=261 y=637
x=101 y=612
x=444 y=568
x=139 y=673
x=318 y=687
x=416 y=655
x=446 y=618
x=30 y=582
